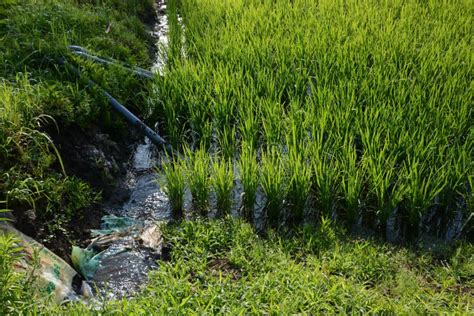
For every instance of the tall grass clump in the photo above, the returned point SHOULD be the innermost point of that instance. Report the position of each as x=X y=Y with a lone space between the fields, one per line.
x=17 y=289
x=222 y=183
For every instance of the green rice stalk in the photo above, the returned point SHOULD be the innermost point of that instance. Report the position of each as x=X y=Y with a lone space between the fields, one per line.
x=175 y=185
x=222 y=182
x=198 y=164
x=250 y=178
x=274 y=184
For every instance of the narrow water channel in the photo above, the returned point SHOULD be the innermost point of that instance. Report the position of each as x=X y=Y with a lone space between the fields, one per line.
x=127 y=245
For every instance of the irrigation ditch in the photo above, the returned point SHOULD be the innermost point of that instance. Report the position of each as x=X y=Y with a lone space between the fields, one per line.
x=128 y=243
x=125 y=226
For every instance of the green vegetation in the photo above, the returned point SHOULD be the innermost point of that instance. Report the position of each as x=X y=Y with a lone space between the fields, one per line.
x=249 y=176
x=199 y=179
x=368 y=104
x=273 y=184
x=16 y=288
x=38 y=98
x=223 y=181
x=174 y=185
x=222 y=266
x=350 y=110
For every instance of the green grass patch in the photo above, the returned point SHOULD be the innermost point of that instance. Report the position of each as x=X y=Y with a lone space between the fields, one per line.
x=223 y=266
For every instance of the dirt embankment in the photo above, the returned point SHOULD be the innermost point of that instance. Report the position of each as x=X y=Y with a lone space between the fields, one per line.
x=98 y=159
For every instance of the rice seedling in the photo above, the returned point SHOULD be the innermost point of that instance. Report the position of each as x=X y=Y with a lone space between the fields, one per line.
x=222 y=182
x=226 y=141
x=173 y=128
x=198 y=168
x=383 y=184
x=358 y=106
x=200 y=124
x=250 y=178
x=300 y=175
x=352 y=181
x=174 y=185
x=423 y=183
x=272 y=122
x=248 y=127
x=174 y=54
x=326 y=179
x=274 y=184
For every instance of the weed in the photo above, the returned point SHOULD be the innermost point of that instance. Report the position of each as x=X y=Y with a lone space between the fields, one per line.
x=16 y=288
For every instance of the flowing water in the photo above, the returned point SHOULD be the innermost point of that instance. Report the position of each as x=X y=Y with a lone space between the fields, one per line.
x=160 y=33
x=126 y=262
x=124 y=259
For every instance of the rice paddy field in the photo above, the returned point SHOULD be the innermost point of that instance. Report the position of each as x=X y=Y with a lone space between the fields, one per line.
x=360 y=111
x=322 y=155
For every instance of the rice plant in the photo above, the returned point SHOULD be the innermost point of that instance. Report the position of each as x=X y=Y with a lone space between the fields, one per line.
x=274 y=184
x=299 y=184
x=423 y=183
x=226 y=141
x=352 y=181
x=198 y=168
x=272 y=122
x=222 y=182
x=250 y=178
x=174 y=185
x=326 y=179
x=248 y=127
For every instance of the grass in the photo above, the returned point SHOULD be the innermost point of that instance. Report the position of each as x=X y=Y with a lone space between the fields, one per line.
x=16 y=289
x=346 y=92
x=38 y=98
x=223 y=266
